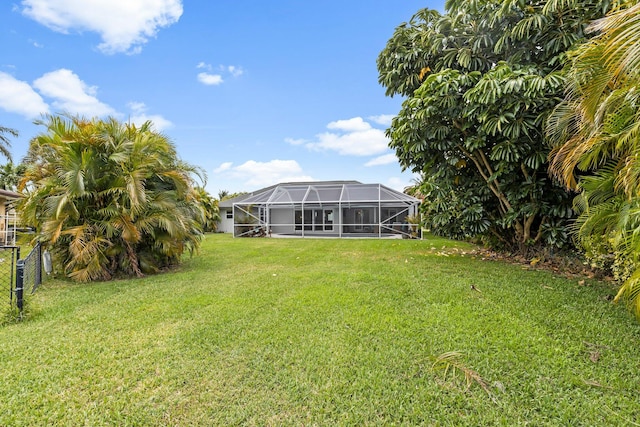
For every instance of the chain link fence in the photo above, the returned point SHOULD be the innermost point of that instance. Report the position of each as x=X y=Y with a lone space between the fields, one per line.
x=19 y=276
x=9 y=256
x=32 y=275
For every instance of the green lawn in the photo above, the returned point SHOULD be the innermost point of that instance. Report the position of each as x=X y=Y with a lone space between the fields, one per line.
x=323 y=332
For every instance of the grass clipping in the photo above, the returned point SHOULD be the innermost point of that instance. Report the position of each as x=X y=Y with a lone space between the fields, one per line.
x=453 y=369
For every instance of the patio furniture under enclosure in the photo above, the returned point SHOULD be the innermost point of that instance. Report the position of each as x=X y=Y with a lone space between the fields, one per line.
x=326 y=209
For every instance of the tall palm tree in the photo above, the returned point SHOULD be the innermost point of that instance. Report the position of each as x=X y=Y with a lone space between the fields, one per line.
x=5 y=144
x=109 y=198
x=597 y=135
x=598 y=120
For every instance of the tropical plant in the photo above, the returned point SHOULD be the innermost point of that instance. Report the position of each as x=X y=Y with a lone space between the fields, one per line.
x=480 y=81
x=210 y=209
x=10 y=176
x=596 y=132
x=5 y=144
x=222 y=194
x=226 y=195
x=109 y=198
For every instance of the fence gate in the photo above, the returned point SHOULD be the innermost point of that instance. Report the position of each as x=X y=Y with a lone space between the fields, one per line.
x=17 y=275
x=9 y=256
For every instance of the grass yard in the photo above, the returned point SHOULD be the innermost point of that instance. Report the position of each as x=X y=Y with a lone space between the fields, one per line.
x=324 y=332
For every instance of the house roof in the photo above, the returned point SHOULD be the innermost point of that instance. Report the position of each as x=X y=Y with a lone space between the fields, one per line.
x=320 y=192
x=9 y=195
x=228 y=203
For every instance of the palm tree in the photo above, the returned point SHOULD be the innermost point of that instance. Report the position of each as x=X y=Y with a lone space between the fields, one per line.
x=10 y=175
x=209 y=206
x=416 y=188
x=4 y=141
x=598 y=120
x=109 y=198
x=597 y=135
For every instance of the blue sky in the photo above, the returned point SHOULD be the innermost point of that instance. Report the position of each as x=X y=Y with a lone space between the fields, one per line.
x=254 y=92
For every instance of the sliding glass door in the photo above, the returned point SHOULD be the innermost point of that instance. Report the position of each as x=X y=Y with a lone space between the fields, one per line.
x=314 y=219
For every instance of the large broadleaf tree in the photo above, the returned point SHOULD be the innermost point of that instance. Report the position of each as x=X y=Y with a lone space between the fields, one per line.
x=480 y=81
x=109 y=198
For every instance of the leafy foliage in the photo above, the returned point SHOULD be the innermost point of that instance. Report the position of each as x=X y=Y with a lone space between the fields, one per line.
x=109 y=198
x=210 y=209
x=5 y=144
x=10 y=176
x=596 y=131
x=480 y=81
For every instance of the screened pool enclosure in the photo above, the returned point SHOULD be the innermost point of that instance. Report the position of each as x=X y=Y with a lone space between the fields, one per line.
x=328 y=209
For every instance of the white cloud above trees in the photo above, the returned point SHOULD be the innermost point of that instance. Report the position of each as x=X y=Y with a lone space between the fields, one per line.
x=123 y=25
x=223 y=167
x=382 y=119
x=139 y=116
x=350 y=137
x=253 y=174
x=386 y=159
x=63 y=91
x=355 y=124
x=19 y=97
x=71 y=94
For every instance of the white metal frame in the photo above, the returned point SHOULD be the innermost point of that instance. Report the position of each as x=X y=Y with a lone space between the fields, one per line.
x=282 y=196
x=8 y=228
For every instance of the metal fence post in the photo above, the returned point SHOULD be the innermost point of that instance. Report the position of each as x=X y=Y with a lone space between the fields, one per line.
x=20 y=284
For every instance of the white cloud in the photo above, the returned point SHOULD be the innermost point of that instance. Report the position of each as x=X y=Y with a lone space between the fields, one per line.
x=19 y=97
x=68 y=94
x=223 y=167
x=351 y=137
x=137 y=107
x=295 y=141
x=397 y=184
x=363 y=143
x=71 y=94
x=255 y=174
x=210 y=79
x=355 y=124
x=235 y=71
x=386 y=159
x=139 y=116
x=382 y=119
x=123 y=25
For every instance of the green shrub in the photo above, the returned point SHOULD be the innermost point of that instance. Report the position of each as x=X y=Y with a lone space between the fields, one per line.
x=606 y=254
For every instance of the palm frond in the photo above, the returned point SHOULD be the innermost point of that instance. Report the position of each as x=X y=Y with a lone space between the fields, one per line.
x=451 y=363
